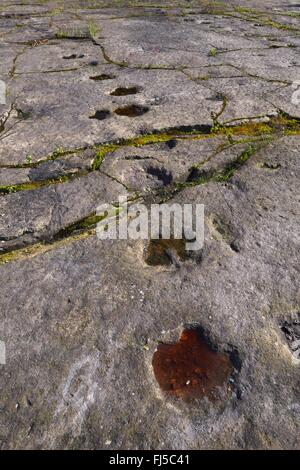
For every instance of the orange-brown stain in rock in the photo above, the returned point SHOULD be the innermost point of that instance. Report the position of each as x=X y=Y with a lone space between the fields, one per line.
x=190 y=368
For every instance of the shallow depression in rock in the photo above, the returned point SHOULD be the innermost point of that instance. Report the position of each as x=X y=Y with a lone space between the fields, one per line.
x=103 y=76
x=132 y=110
x=190 y=368
x=101 y=115
x=161 y=252
x=123 y=91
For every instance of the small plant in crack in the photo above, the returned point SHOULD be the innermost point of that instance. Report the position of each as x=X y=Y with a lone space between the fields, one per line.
x=213 y=52
x=224 y=175
x=217 y=127
x=93 y=29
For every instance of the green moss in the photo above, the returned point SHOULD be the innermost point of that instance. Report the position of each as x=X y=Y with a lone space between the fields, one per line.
x=281 y=124
x=277 y=25
x=80 y=230
x=73 y=33
x=19 y=254
x=80 y=226
x=278 y=124
x=220 y=176
x=58 y=153
x=93 y=29
x=239 y=9
x=213 y=52
x=40 y=248
x=101 y=152
x=55 y=11
x=224 y=175
x=18 y=187
x=140 y=141
x=32 y=185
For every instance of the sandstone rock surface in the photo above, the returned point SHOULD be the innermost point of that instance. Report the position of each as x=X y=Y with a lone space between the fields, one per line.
x=210 y=114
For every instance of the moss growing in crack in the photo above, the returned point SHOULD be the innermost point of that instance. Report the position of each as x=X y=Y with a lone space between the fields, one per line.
x=224 y=175
x=32 y=185
x=283 y=123
x=93 y=29
x=140 y=141
x=87 y=223
x=80 y=230
x=239 y=9
x=217 y=127
x=290 y=125
x=101 y=152
x=58 y=153
x=41 y=248
x=20 y=253
x=197 y=178
x=73 y=33
x=55 y=11
x=277 y=25
x=213 y=52
x=247 y=129
x=17 y=187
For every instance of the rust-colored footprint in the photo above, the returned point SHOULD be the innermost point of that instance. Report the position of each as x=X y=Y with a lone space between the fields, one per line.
x=190 y=368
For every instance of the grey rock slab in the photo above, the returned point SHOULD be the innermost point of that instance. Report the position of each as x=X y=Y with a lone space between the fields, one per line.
x=26 y=30
x=58 y=55
x=287 y=99
x=271 y=64
x=11 y=176
x=245 y=97
x=95 y=333
x=159 y=165
x=43 y=212
x=45 y=171
x=8 y=52
x=165 y=43
x=82 y=317
x=61 y=106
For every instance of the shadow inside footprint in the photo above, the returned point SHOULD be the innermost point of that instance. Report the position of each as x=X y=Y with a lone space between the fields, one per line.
x=163 y=252
x=103 y=76
x=101 y=115
x=132 y=110
x=123 y=91
x=162 y=174
x=73 y=56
